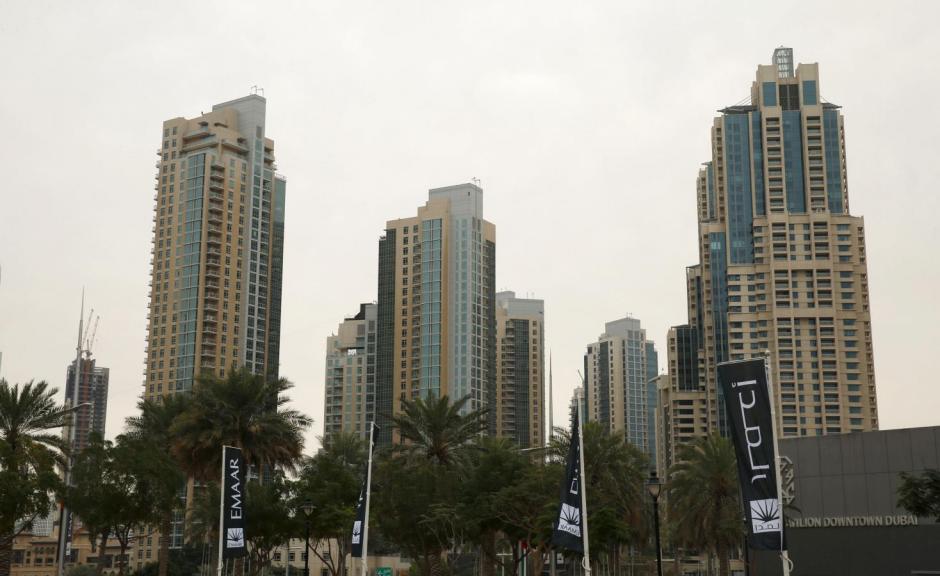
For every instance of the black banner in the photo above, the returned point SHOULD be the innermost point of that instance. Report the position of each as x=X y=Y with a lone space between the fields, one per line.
x=747 y=399
x=232 y=532
x=360 y=525
x=568 y=529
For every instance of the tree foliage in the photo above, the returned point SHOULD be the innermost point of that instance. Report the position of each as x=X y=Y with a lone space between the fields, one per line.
x=269 y=520
x=116 y=488
x=243 y=410
x=919 y=494
x=151 y=427
x=29 y=453
x=703 y=498
x=331 y=482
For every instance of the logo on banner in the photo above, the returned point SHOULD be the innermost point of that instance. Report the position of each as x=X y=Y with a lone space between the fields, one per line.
x=752 y=434
x=570 y=520
x=765 y=515
x=357 y=532
x=235 y=538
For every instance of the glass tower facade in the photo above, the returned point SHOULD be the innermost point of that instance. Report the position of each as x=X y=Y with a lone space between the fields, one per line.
x=782 y=265
x=436 y=306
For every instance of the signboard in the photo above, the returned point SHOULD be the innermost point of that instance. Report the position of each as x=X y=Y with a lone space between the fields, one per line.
x=747 y=400
x=383 y=571
x=232 y=533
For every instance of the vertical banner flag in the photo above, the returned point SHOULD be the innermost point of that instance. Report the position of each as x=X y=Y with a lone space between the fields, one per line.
x=747 y=399
x=568 y=527
x=232 y=528
x=361 y=524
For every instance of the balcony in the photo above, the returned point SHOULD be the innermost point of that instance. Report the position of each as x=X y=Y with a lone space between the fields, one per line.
x=237 y=146
x=196 y=134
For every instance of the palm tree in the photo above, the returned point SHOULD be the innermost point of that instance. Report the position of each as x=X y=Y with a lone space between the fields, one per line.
x=438 y=429
x=703 y=498
x=28 y=457
x=245 y=411
x=153 y=426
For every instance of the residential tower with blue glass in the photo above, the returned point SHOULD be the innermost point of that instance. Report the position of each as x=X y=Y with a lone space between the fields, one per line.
x=619 y=369
x=436 y=315
x=216 y=256
x=782 y=263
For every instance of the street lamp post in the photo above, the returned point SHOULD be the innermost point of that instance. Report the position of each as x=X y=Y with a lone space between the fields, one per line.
x=308 y=511
x=654 y=486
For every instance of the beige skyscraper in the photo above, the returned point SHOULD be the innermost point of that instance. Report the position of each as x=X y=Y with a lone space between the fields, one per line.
x=436 y=323
x=349 y=404
x=618 y=369
x=782 y=264
x=218 y=236
x=518 y=412
x=217 y=249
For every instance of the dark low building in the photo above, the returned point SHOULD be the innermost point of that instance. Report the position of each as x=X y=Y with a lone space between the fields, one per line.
x=843 y=517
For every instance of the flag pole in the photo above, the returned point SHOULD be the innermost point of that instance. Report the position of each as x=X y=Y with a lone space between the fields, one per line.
x=365 y=529
x=551 y=436
x=220 y=567
x=784 y=555
x=586 y=562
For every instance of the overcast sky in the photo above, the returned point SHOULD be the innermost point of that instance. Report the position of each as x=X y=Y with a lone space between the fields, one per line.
x=585 y=121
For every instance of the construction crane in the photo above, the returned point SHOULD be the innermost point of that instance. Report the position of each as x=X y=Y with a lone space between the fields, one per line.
x=90 y=340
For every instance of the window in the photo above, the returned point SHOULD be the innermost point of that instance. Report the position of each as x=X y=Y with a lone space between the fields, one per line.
x=809 y=92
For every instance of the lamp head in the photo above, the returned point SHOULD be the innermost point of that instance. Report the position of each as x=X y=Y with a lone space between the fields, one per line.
x=653 y=485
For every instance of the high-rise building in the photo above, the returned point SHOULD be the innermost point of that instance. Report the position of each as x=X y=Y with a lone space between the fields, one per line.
x=682 y=410
x=92 y=397
x=215 y=299
x=350 y=375
x=218 y=241
x=617 y=372
x=652 y=372
x=782 y=264
x=577 y=396
x=518 y=408
x=436 y=320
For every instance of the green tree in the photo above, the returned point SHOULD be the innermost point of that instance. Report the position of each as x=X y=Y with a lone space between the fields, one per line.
x=269 y=520
x=414 y=501
x=331 y=481
x=509 y=497
x=495 y=467
x=94 y=493
x=704 y=507
x=245 y=411
x=919 y=494
x=152 y=427
x=29 y=454
x=116 y=488
x=415 y=490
